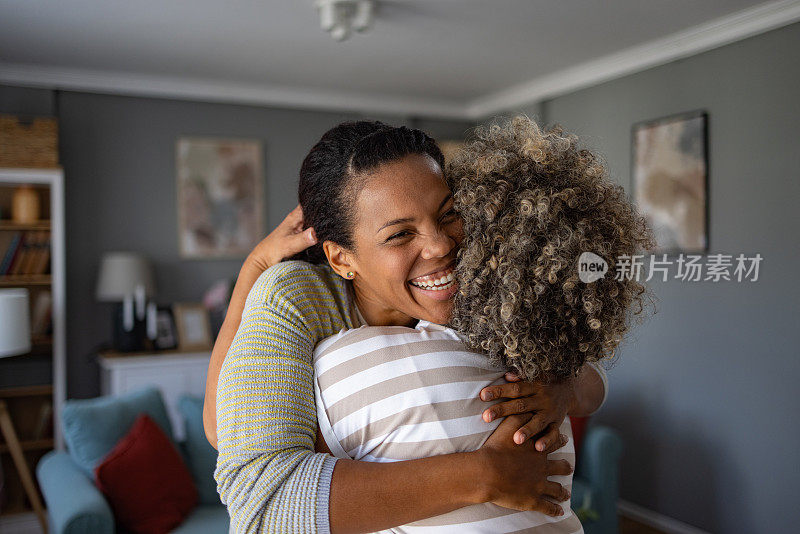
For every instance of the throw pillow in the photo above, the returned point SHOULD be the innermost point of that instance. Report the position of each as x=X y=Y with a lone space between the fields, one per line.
x=145 y=481
x=93 y=426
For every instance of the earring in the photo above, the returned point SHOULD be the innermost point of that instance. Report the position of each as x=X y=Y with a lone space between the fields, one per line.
x=350 y=275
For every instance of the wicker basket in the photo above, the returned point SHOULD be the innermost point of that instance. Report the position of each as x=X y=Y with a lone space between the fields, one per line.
x=28 y=143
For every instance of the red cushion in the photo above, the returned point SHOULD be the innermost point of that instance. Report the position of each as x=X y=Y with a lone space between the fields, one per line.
x=578 y=425
x=148 y=486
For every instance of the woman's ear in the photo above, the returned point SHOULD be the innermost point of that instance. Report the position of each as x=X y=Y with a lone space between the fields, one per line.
x=339 y=258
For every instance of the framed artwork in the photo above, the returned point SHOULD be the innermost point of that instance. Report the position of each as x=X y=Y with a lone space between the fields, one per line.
x=220 y=198
x=194 y=332
x=166 y=334
x=670 y=180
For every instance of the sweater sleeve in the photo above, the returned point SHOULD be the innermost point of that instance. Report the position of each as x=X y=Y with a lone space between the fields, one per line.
x=268 y=474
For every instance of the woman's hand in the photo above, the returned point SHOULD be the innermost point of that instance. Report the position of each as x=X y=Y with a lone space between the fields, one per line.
x=283 y=242
x=519 y=472
x=544 y=407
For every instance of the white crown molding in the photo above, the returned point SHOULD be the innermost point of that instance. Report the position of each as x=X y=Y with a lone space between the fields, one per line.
x=648 y=517
x=686 y=43
x=123 y=83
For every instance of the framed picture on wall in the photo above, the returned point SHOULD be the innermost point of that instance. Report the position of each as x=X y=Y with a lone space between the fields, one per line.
x=194 y=332
x=220 y=197
x=670 y=180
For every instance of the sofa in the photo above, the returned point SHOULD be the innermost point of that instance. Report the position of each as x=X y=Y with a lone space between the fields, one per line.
x=91 y=429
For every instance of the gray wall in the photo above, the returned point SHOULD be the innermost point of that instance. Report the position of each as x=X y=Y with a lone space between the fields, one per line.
x=705 y=393
x=118 y=155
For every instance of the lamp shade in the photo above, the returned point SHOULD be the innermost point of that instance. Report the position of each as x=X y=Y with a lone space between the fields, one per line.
x=15 y=324
x=120 y=273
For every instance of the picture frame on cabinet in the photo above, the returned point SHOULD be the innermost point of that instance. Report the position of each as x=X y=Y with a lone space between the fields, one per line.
x=192 y=323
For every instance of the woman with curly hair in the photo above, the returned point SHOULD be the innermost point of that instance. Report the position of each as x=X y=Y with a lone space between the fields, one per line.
x=376 y=198
x=533 y=202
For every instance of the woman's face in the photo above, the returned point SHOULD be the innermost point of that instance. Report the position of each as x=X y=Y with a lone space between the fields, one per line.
x=406 y=236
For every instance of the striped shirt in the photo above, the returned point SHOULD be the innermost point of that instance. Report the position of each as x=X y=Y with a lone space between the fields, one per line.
x=387 y=394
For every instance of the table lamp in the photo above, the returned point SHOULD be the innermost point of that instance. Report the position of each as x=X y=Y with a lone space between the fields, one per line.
x=126 y=279
x=15 y=339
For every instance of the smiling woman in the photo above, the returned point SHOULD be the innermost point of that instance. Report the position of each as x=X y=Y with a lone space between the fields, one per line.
x=377 y=200
x=401 y=249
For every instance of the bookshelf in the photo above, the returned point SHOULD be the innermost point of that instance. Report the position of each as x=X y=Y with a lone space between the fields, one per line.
x=34 y=408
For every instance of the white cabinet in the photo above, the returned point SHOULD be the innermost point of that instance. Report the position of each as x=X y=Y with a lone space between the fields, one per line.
x=175 y=374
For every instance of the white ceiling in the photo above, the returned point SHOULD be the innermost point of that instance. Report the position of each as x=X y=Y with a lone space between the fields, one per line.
x=446 y=57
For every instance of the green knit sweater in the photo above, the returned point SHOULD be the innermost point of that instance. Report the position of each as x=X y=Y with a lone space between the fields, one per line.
x=268 y=474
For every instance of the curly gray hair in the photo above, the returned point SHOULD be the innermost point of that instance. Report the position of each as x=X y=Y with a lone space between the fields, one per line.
x=532 y=201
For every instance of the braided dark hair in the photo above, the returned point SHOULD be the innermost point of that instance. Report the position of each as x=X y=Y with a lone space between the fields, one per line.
x=328 y=177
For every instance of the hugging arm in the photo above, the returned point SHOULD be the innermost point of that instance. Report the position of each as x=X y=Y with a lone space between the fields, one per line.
x=268 y=474
x=286 y=240
x=546 y=405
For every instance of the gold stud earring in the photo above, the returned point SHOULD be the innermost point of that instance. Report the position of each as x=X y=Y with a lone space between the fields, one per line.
x=351 y=275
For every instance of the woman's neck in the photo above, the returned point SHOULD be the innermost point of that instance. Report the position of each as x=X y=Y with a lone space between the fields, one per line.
x=376 y=314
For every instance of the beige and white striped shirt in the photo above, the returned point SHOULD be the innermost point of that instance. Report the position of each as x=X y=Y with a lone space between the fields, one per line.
x=387 y=394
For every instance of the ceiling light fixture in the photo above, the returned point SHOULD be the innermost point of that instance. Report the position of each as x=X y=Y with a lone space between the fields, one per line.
x=341 y=17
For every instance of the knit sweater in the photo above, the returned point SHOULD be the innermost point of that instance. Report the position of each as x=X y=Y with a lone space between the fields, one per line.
x=268 y=474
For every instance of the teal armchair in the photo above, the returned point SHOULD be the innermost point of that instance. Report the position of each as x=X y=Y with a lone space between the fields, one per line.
x=91 y=428
x=595 y=486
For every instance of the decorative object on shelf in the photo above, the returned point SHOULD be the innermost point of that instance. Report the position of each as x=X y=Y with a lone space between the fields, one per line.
x=126 y=279
x=31 y=142
x=15 y=330
x=341 y=17
x=42 y=314
x=25 y=208
x=166 y=334
x=216 y=300
x=193 y=328
x=220 y=201
x=670 y=180
x=15 y=339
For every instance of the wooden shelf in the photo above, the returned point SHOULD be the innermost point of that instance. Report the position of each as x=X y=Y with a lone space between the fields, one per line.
x=27 y=391
x=38 y=225
x=34 y=410
x=15 y=509
x=32 y=445
x=26 y=280
x=41 y=340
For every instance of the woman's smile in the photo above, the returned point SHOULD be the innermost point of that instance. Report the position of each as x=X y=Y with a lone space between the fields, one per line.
x=439 y=285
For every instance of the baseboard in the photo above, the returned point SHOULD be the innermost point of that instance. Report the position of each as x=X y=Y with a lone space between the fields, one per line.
x=20 y=524
x=664 y=523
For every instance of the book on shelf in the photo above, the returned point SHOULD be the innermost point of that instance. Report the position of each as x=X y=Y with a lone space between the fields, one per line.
x=40 y=254
x=10 y=247
x=25 y=253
